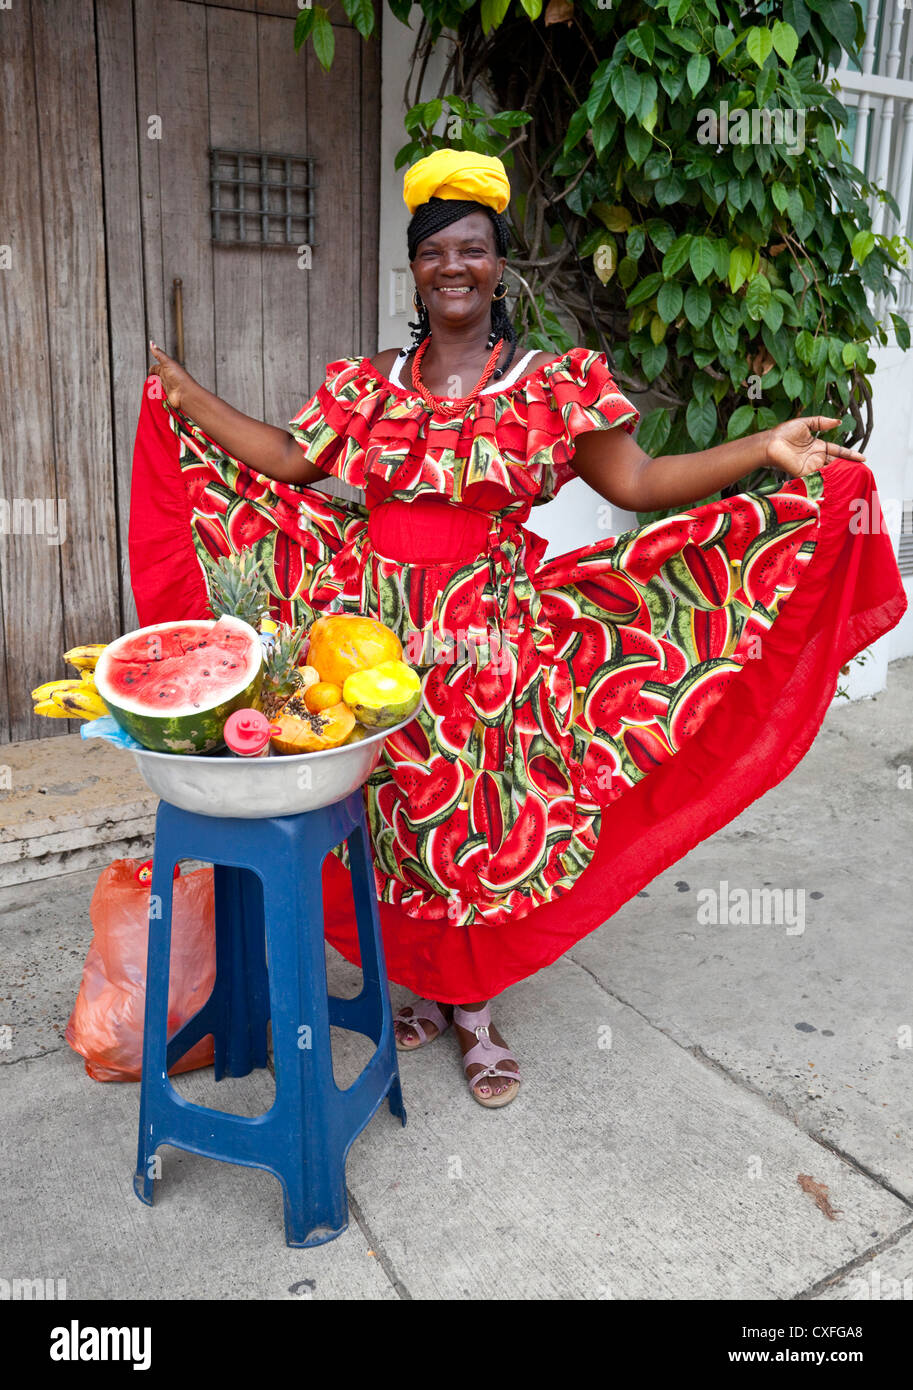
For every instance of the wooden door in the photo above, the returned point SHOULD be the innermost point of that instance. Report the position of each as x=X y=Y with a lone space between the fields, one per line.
x=109 y=110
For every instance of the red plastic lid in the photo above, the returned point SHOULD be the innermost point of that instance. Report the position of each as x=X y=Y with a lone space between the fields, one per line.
x=247 y=732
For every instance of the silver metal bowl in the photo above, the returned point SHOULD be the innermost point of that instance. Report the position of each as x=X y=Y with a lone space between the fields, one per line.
x=255 y=788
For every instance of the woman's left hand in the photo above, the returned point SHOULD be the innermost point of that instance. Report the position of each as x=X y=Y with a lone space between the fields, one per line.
x=793 y=447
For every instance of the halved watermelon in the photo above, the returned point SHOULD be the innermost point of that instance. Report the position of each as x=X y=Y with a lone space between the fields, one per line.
x=173 y=685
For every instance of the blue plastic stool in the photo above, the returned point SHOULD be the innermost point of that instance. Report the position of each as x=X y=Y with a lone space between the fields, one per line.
x=269 y=908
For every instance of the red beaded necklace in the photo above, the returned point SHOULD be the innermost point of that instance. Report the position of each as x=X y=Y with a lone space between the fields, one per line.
x=443 y=404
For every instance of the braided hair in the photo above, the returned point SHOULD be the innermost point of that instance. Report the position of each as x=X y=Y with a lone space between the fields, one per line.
x=432 y=217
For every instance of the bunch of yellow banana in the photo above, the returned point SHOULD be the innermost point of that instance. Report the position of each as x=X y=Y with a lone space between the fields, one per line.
x=75 y=698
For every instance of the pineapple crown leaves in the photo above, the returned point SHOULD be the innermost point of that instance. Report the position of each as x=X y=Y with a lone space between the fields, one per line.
x=281 y=665
x=237 y=587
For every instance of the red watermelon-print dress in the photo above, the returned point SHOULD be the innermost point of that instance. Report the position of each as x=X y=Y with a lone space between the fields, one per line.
x=587 y=719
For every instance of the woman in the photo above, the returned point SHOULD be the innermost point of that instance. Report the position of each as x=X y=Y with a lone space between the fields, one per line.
x=588 y=719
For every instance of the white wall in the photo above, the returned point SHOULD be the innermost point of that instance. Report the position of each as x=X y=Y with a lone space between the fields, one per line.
x=577 y=516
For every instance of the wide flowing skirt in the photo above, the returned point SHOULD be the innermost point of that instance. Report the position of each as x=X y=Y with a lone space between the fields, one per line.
x=587 y=720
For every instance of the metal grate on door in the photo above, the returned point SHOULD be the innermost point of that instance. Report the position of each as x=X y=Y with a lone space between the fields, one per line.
x=260 y=199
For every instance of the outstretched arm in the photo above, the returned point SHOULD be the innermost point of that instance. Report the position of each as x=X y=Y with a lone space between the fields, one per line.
x=265 y=448
x=618 y=469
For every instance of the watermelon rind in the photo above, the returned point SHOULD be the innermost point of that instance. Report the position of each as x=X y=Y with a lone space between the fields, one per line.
x=183 y=730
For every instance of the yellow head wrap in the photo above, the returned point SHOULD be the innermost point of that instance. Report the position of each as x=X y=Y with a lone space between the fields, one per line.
x=480 y=178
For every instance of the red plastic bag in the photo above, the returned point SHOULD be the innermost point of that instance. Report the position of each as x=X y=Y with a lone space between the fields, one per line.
x=106 y=1025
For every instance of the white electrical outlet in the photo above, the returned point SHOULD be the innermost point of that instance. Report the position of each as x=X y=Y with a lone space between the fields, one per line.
x=398 y=291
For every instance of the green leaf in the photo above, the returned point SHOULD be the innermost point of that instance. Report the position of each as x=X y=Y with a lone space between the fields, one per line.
x=764 y=88
x=773 y=314
x=646 y=107
x=670 y=190
x=634 y=245
x=492 y=12
x=684 y=37
x=862 y=244
x=303 y=26
x=819 y=352
x=653 y=360
x=627 y=87
x=672 y=82
x=795 y=12
x=757 y=296
x=676 y=256
x=826 y=140
x=361 y=13
x=660 y=233
x=702 y=386
x=642 y=42
x=697 y=72
x=758 y=44
x=678 y=8
x=804 y=342
x=669 y=301
x=654 y=431
x=627 y=271
x=697 y=305
x=785 y=41
x=604 y=132
x=740 y=259
x=645 y=290
x=793 y=384
x=740 y=422
x=532 y=7
x=323 y=38
x=432 y=112
x=701 y=421
x=600 y=90
x=723 y=40
x=841 y=22
x=724 y=334
x=701 y=257
x=779 y=195
x=901 y=330
x=577 y=127
x=638 y=143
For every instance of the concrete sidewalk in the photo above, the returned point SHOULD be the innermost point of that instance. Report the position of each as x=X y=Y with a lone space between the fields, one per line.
x=711 y=1109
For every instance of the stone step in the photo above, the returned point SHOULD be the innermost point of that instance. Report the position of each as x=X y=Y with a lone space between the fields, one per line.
x=70 y=803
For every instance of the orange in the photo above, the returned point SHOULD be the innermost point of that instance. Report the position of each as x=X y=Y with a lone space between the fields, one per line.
x=343 y=644
x=321 y=695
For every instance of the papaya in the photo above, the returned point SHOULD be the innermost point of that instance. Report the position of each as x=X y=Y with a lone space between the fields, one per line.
x=302 y=730
x=383 y=695
x=346 y=643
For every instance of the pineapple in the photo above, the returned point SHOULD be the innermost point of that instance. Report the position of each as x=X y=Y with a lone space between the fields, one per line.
x=236 y=587
x=281 y=675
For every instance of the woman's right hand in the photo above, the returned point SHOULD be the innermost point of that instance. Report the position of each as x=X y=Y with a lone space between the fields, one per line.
x=172 y=375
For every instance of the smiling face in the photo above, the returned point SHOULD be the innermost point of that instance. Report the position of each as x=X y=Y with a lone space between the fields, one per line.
x=457 y=270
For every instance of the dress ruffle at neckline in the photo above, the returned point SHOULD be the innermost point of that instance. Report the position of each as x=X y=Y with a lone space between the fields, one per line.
x=360 y=427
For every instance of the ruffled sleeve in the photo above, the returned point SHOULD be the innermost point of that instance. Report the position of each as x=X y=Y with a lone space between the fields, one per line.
x=328 y=427
x=576 y=394
x=360 y=427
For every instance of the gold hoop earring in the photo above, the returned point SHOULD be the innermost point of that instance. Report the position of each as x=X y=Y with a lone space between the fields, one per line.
x=417 y=301
x=503 y=293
